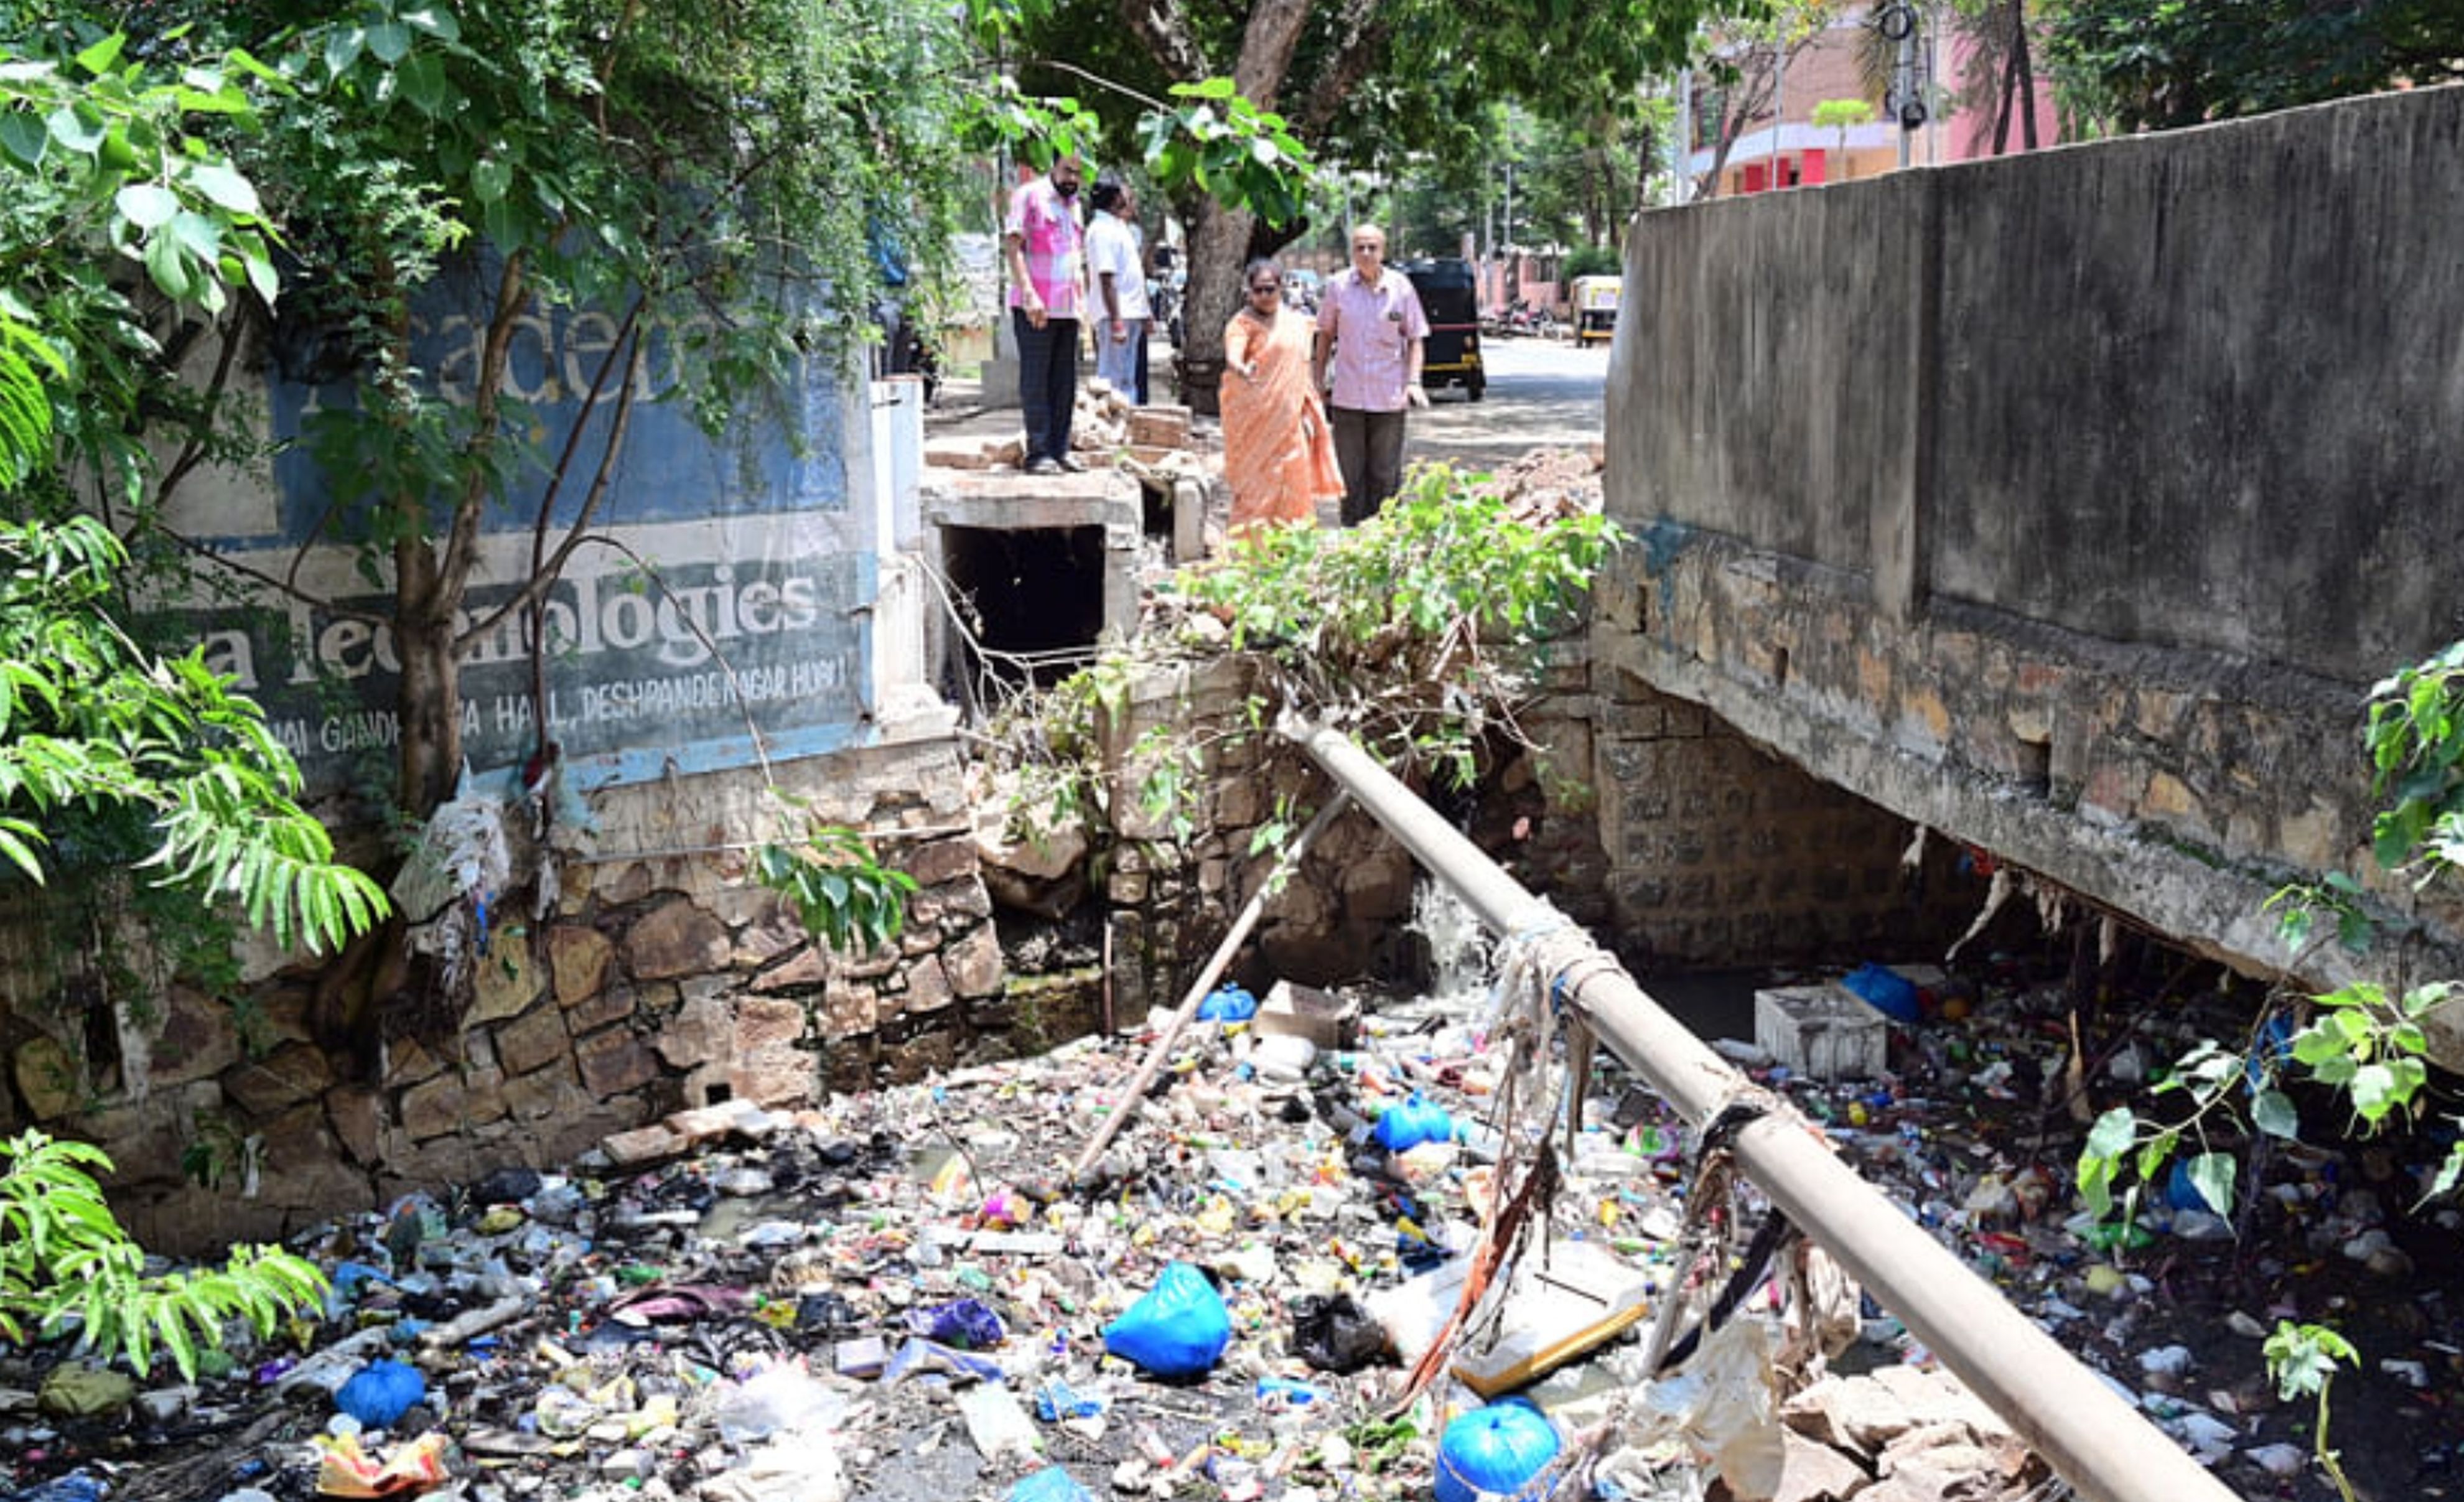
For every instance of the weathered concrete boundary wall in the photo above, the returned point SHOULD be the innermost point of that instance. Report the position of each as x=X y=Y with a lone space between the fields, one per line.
x=2065 y=503
x=665 y=978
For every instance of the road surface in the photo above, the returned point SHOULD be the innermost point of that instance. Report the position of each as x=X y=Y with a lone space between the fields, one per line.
x=1541 y=393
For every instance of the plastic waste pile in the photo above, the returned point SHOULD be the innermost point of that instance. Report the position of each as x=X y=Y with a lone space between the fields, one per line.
x=895 y=1296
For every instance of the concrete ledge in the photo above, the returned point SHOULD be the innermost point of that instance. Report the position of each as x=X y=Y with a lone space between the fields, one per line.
x=2178 y=791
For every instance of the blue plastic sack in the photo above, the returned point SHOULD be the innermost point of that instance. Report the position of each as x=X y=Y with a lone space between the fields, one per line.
x=1178 y=1329
x=1408 y=1124
x=1885 y=991
x=75 y=1487
x=1497 y=1449
x=1052 y=1484
x=381 y=1392
x=1227 y=1004
x=967 y=1324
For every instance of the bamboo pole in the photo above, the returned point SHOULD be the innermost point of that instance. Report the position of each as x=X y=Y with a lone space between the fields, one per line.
x=1215 y=966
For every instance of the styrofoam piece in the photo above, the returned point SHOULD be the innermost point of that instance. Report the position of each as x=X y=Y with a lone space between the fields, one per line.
x=1821 y=1032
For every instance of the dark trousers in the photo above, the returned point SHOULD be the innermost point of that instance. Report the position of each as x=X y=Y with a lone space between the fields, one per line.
x=1047 y=382
x=1144 y=325
x=1368 y=449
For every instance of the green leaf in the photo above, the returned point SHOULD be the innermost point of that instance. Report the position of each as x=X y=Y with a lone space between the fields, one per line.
x=261 y=275
x=72 y=130
x=2096 y=1177
x=2213 y=1174
x=24 y=137
x=388 y=42
x=170 y=273
x=2272 y=1112
x=226 y=188
x=435 y=20
x=343 y=46
x=423 y=83
x=98 y=58
x=489 y=178
x=198 y=235
x=2112 y=1133
x=2374 y=1091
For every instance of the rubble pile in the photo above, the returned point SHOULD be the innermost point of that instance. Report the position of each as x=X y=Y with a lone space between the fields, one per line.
x=1154 y=441
x=901 y=1295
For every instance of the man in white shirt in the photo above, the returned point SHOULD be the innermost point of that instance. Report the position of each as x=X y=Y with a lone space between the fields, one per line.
x=1114 y=261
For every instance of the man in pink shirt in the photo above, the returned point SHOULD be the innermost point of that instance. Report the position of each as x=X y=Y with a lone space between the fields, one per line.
x=1047 y=293
x=1370 y=320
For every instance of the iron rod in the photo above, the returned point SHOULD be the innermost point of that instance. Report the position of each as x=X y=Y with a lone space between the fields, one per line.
x=2095 y=1440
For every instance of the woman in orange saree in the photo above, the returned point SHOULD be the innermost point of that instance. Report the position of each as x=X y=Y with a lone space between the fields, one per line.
x=1278 y=452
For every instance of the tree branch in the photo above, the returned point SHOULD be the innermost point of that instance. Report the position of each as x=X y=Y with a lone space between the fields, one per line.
x=1361 y=37
x=544 y=570
x=1162 y=27
x=1095 y=78
x=513 y=289
x=281 y=586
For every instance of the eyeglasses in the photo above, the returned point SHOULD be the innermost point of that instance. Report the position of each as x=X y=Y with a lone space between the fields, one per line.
x=1266 y=286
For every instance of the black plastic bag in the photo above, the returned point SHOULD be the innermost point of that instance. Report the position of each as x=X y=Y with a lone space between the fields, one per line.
x=1333 y=1334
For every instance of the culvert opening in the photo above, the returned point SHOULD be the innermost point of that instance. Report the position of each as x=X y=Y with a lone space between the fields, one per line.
x=1037 y=594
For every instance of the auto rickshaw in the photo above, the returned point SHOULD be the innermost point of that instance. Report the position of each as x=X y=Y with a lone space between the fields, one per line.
x=1595 y=307
x=1450 y=356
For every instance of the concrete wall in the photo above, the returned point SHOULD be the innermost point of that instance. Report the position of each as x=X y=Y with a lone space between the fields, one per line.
x=2067 y=503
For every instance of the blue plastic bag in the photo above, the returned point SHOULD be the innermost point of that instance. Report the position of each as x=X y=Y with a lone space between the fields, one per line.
x=381 y=1392
x=1052 y=1484
x=1408 y=1124
x=1227 y=1004
x=1885 y=991
x=1498 y=1448
x=1180 y=1328
x=968 y=1324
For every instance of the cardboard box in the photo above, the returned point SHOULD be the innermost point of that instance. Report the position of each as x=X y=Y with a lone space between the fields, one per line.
x=1565 y=1299
x=1307 y=1012
x=1821 y=1032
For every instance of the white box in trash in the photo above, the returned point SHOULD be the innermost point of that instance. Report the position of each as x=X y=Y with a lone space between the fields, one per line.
x=1329 y=1022
x=1821 y=1032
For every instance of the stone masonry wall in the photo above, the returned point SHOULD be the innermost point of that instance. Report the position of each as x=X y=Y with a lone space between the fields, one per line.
x=2176 y=786
x=663 y=979
x=1724 y=855
x=1170 y=897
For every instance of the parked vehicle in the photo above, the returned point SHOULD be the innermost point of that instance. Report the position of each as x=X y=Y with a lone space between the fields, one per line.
x=1519 y=317
x=1451 y=354
x=1302 y=288
x=1595 y=307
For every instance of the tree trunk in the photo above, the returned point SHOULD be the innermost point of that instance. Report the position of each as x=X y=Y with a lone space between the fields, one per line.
x=2027 y=90
x=430 y=695
x=1218 y=247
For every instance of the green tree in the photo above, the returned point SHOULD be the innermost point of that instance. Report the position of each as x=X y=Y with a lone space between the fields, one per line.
x=66 y=1263
x=1383 y=87
x=713 y=179
x=1841 y=115
x=1745 y=60
x=2136 y=66
x=119 y=225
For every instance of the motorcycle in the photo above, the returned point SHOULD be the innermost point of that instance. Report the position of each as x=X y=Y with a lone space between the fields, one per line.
x=1520 y=318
